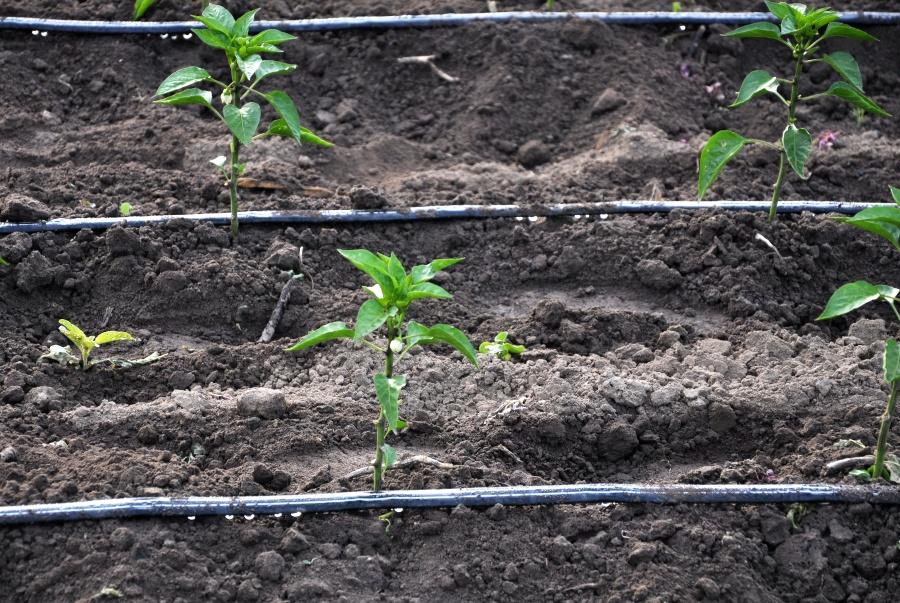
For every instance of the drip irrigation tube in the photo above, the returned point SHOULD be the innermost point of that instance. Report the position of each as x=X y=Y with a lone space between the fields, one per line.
x=437 y=212
x=408 y=21
x=470 y=497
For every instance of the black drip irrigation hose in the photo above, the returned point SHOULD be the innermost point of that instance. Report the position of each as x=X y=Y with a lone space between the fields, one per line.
x=423 y=21
x=438 y=212
x=470 y=497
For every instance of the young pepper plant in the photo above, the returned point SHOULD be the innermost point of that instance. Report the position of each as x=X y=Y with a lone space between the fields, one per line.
x=802 y=31
x=392 y=293
x=86 y=343
x=246 y=70
x=884 y=222
x=501 y=347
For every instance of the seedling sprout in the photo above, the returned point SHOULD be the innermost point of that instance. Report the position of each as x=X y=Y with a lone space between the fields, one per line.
x=801 y=30
x=392 y=293
x=246 y=70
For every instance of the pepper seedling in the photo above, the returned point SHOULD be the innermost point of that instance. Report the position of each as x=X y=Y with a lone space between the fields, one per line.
x=884 y=222
x=500 y=347
x=801 y=31
x=86 y=343
x=246 y=70
x=392 y=293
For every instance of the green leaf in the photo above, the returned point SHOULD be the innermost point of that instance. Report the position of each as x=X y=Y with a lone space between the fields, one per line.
x=846 y=67
x=895 y=194
x=891 y=361
x=388 y=392
x=892 y=465
x=452 y=336
x=885 y=230
x=191 y=96
x=371 y=316
x=842 y=30
x=372 y=265
x=779 y=9
x=267 y=68
x=426 y=272
x=270 y=36
x=761 y=29
x=84 y=343
x=141 y=7
x=861 y=474
x=3 y=262
x=853 y=96
x=250 y=65
x=797 y=145
x=311 y=137
x=756 y=84
x=427 y=290
x=888 y=214
x=395 y=269
x=241 y=27
x=242 y=122
x=287 y=110
x=417 y=334
x=849 y=297
x=266 y=48
x=719 y=150
x=389 y=455
x=217 y=18
x=182 y=78
x=111 y=336
x=333 y=330
x=212 y=38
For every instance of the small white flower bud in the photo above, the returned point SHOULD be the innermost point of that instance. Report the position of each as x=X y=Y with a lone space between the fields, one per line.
x=396 y=346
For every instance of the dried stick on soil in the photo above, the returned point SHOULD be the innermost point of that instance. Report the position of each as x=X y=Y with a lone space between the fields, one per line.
x=428 y=59
x=419 y=459
x=850 y=463
x=278 y=312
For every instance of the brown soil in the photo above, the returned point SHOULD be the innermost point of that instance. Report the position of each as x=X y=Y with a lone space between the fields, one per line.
x=661 y=348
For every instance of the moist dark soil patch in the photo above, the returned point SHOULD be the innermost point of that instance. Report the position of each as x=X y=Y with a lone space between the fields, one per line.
x=524 y=125
x=662 y=348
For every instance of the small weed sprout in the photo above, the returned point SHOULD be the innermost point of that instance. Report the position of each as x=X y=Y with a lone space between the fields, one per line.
x=801 y=31
x=125 y=209
x=3 y=262
x=86 y=343
x=500 y=347
x=246 y=70
x=884 y=222
x=392 y=293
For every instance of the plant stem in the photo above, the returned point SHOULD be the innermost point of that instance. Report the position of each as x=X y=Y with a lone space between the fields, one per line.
x=380 y=424
x=232 y=186
x=792 y=110
x=881 y=447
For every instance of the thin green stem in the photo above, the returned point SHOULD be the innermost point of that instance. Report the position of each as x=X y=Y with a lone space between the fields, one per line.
x=881 y=447
x=235 y=149
x=792 y=117
x=381 y=423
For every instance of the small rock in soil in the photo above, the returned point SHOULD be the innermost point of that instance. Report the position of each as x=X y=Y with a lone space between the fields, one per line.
x=306 y=590
x=19 y=208
x=839 y=532
x=15 y=246
x=708 y=588
x=284 y=256
x=609 y=100
x=122 y=539
x=533 y=153
x=868 y=330
x=293 y=541
x=656 y=274
x=262 y=402
x=8 y=454
x=247 y=591
x=561 y=550
x=362 y=197
x=147 y=435
x=269 y=566
x=35 y=271
x=618 y=441
x=641 y=552
x=12 y=395
x=801 y=555
x=45 y=398
x=667 y=394
x=171 y=282
x=122 y=241
x=721 y=417
x=626 y=392
x=181 y=380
